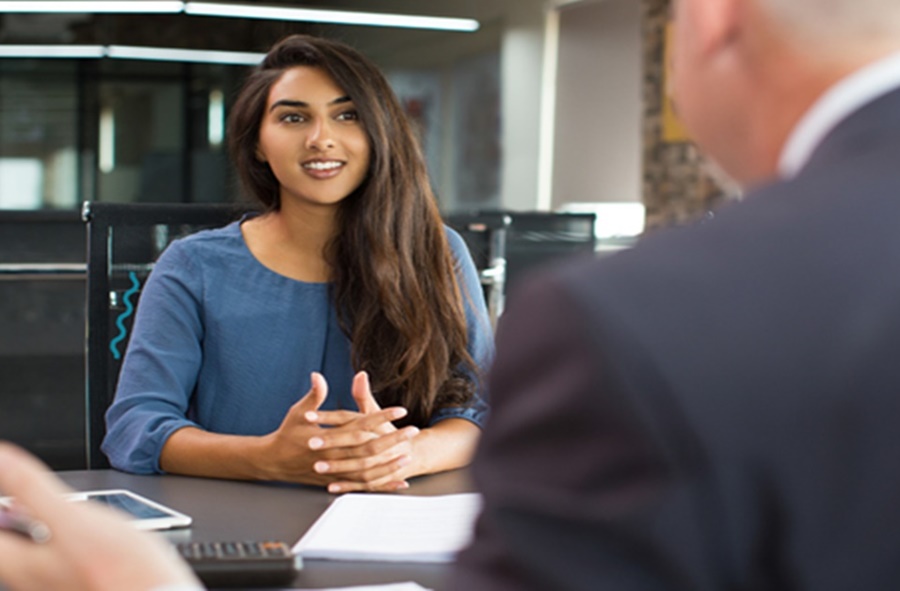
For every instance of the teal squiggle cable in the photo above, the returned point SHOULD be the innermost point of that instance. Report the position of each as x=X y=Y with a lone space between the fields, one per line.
x=120 y=321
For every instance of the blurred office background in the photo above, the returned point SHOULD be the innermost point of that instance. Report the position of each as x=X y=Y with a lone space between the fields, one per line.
x=550 y=105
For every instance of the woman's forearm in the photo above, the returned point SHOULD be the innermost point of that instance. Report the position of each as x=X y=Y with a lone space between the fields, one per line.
x=447 y=445
x=195 y=452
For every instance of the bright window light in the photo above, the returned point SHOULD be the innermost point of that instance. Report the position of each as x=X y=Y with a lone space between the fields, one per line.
x=216 y=124
x=95 y=6
x=341 y=17
x=184 y=55
x=21 y=183
x=107 y=152
x=614 y=219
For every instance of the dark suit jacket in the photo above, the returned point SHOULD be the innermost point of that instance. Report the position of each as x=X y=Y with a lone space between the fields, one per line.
x=717 y=408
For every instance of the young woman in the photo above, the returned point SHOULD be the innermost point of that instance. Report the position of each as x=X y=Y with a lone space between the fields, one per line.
x=348 y=288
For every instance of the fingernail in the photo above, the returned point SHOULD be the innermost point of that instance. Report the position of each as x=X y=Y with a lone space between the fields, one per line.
x=320 y=467
x=412 y=431
x=311 y=417
x=316 y=443
x=398 y=413
x=334 y=488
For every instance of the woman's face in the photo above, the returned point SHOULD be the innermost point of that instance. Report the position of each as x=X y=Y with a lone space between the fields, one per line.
x=312 y=138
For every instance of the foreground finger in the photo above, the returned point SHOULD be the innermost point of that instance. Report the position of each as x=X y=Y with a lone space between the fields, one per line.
x=32 y=484
x=27 y=565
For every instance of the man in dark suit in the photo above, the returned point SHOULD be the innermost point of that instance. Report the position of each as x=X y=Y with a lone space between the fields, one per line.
x=719 y=407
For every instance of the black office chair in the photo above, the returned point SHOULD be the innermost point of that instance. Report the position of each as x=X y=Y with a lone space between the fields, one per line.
x=485 y=235
x=123 y=241
x=539 y=238
x=506 y=245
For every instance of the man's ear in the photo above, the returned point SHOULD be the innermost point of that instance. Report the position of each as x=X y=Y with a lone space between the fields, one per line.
x=718 y=22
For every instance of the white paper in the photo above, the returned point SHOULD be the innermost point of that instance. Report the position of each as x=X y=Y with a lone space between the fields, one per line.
x=395 y=528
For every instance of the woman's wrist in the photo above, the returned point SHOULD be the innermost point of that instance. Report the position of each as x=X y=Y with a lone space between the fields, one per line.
x=421 y=454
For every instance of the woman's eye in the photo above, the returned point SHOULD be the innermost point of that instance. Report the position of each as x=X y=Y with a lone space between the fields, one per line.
x=348 y=116
x=292 y=118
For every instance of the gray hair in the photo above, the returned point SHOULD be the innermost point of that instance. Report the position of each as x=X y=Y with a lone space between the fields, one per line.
x=869 y=21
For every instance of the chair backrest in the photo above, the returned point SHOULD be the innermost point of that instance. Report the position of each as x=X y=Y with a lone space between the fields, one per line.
x=485 y=235
x=507 y=244
x=123 y=242
x=536 y=238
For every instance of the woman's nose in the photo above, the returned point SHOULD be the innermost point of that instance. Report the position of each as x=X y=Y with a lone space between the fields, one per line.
x=320 y=136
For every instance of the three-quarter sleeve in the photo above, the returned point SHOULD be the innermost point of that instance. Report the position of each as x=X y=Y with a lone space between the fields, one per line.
x=160 y=368
x=480 y=335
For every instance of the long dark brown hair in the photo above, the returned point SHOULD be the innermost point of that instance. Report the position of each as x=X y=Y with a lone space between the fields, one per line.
x=393 y=278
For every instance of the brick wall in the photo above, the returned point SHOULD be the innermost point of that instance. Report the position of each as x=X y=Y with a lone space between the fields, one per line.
x=675 y=187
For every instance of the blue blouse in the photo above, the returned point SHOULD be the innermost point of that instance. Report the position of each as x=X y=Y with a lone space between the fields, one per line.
x=223 y=343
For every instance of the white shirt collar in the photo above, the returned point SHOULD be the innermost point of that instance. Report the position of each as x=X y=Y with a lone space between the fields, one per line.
x=838 y=103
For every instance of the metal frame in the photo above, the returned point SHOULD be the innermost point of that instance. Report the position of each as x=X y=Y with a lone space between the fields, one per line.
x=99 y=219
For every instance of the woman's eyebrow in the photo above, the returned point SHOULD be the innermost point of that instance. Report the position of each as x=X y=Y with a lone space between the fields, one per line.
x=305 y=105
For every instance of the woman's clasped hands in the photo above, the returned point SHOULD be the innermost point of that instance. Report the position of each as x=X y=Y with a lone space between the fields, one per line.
x=344 y=450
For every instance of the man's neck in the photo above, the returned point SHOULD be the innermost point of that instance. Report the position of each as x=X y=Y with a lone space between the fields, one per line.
x=848 y=92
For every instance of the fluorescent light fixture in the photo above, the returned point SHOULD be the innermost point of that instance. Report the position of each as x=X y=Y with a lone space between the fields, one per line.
x=340 y=17
x=95 y=6
x=61 y=51
x=238 y=58
x=316 y=15
x=107 y=153
x=216 y=118
x=184 y=55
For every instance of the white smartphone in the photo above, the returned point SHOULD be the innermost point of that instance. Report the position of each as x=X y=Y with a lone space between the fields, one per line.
x=145 y=514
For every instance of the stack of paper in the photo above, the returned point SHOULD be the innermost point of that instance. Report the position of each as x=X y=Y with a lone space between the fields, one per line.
x=396 y=528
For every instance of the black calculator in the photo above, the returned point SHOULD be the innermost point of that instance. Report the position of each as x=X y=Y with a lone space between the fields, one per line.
x=241 y=564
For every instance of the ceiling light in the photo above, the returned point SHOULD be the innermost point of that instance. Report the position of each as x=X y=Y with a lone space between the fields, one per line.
x=340 y=17
x=184 y=55
x=247 y=10
x=44 y=51
x=95 y=6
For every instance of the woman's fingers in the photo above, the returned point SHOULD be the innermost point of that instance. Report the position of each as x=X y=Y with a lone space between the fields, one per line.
x=362 y=394
x=315 y=397
x=386 y=449
x=332 y=418
x=387 y=477
x=358 y=432
x=391 y=484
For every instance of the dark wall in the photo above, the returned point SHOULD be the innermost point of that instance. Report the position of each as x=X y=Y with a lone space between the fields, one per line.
x=42 y=338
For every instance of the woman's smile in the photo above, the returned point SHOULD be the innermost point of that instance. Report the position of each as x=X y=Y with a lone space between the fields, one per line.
x=323 y=169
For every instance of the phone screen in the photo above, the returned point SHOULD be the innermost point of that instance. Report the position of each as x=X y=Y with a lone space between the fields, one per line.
x=128 y=504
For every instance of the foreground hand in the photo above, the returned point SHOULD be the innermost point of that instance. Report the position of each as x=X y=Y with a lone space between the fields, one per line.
x=365 y=453
x=91 y=548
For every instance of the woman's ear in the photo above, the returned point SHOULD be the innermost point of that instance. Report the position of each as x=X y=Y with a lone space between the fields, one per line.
x=259 y=155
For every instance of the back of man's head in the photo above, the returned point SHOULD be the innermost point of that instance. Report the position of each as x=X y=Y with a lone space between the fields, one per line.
x=839 y=23
x=746 y=71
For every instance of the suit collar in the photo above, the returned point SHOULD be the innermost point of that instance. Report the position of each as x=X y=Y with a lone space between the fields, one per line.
x=836 y=106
